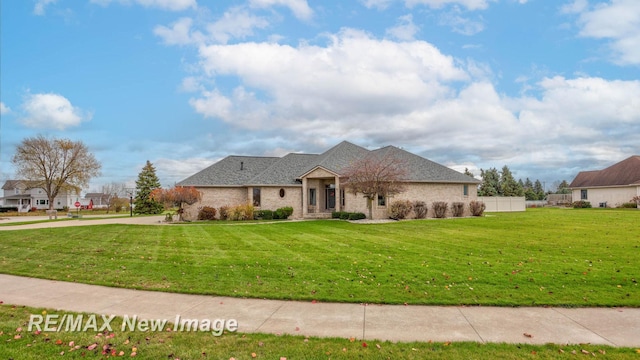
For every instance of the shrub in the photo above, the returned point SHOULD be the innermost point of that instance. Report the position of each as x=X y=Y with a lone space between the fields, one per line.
x=241 y=212
x=336 y=214
x=357 y=216
x=207 y=213
x=399 y=209
x=581 y=204
x=224 y=212
x=457 y=208
x=263 y=215
x=629 y=205
x=440 y=209
x=283 y=212
x=344 y=215
x=477 y=208
x=420 y=209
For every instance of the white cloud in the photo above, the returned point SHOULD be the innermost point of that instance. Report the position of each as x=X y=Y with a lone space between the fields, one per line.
x=4 y=109
x=179 y=33
x=436 y=4
x=173 y=170
x=300 y=8
x=51 y=111
x=461 y=25
x=236 y=23
x=617 y=21
x=171 y=5
x=39 y=7
x=405 y=30
x=575 y=7
x=469 y=4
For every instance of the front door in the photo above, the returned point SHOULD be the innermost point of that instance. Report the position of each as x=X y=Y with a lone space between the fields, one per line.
x=330 y=198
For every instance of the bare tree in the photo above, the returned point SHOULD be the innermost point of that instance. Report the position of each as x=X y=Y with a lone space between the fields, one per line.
x=375 y=175
x=112 y=192
x=55 y=165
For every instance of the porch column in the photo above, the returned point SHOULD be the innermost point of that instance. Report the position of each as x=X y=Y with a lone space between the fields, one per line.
x=305 y=201
x=336 y=179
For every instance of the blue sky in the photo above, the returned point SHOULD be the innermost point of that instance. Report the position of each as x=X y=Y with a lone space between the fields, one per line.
x=548 y=88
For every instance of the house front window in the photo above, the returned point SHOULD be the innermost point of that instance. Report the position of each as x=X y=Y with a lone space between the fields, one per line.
x=382 y=201
x=256 y=197
x=583 y=194
x=312 y=196
x=342 y=192
x=465 y=190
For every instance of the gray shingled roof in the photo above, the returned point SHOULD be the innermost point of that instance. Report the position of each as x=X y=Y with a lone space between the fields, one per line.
x=230 y=171
x=420 y=169
x=286 y=170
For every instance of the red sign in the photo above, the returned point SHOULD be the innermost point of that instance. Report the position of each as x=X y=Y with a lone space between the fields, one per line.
x=77 y=204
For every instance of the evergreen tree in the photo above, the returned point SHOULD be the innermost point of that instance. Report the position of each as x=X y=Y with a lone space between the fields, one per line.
x=490 y=183
x=467 y=172
x=146 y=183
x=508 y=185
x=563 y=188
x=538 y=189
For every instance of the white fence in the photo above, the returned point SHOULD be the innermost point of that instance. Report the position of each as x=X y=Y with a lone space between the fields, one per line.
x=503 y=204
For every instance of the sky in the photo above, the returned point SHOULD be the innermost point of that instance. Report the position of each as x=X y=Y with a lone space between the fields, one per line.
x=547 y=87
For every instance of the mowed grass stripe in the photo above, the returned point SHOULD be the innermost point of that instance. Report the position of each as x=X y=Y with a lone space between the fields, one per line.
x=539 y=257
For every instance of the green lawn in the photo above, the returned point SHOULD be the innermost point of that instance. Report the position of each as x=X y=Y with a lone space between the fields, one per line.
x=20 y=343
x=564 y=257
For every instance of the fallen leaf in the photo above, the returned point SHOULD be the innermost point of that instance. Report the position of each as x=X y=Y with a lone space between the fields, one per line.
x=71 y=343
x=352 y=339
x=134 y=354
x=58 y=342
x=17 y=337
x=61 y=353
x=297 y=328
x=254 y=355
x=121 y=353
x=528 y=335
x=19 y=329
x=378 y=346
x=92 y=346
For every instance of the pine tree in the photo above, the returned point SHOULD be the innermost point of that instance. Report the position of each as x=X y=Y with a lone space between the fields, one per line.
x=539 y=190
x=146 y=183
x=508 y=184
x=490 y=183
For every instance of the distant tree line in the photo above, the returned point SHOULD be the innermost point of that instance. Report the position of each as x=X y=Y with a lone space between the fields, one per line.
x=502 y=183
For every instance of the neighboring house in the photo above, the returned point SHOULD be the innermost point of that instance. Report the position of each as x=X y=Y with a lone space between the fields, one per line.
x=310 y=183
x=610 y=187
x=98 y=200
x=25 y=195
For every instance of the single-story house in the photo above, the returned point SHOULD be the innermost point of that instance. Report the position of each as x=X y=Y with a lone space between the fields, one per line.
x=609 y=187
x=311 y=184
x=98 y=200
x=26 y=195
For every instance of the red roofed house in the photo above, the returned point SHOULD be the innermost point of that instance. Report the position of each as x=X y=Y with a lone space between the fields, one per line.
x=610 y=187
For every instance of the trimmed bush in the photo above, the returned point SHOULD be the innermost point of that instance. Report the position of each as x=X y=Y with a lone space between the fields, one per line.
x=344 y=215
x=357 y=216
x=207 y=213
x=457 y=208
x=224 y=212
x=263 y=215
x=335 y=214
x=399 y=209
x=440 y=209
x=629 y=205
x=581 y=204
x=477 y=208
x=420 y=209
x=283 y=212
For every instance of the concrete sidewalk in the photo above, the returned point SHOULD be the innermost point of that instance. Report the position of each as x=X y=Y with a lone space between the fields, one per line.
x=86 y=221
x=608 y=326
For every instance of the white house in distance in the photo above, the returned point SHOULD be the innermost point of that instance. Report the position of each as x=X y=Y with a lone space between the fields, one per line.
x=24 y=195
x=609 y=187
x=311 y=183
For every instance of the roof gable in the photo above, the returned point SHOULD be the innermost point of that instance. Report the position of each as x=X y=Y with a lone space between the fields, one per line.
x=626 y=172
